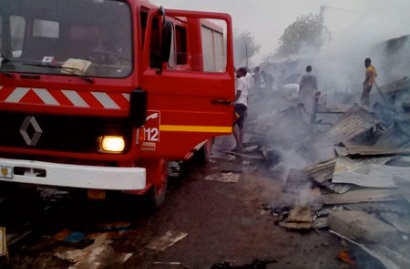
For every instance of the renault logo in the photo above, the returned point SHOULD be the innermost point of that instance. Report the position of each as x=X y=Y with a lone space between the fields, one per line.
x=4 y=171
x=30 y=121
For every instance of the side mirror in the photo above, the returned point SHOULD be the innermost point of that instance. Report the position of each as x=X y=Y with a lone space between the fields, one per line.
x=161 y=11
x=166 y=39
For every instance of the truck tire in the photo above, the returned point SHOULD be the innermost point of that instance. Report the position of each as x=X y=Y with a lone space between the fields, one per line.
x=155 y=196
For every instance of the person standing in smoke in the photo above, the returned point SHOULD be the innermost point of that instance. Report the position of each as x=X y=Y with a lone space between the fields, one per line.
x=257 y=78
x=268 y=80
x=241 y=107
x=369 y=81
x=249 y=80
x=308 y=89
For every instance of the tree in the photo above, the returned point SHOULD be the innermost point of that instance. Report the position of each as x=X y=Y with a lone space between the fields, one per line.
x=307 y=31
x=245 y=47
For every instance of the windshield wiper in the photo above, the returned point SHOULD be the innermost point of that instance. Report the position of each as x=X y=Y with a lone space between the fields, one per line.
x=65 y=69
x=7 y=74
x=4 y=59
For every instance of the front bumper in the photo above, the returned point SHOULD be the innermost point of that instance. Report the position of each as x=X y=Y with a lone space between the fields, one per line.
x=73 y=176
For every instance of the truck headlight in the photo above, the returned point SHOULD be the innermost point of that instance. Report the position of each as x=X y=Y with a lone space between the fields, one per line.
x=111 y=144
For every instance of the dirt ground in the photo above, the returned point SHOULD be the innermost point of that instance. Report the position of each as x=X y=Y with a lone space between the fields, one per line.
x=226 y=224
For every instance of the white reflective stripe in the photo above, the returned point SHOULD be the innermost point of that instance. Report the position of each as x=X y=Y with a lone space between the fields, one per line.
x=105 y=100
x=17 y=95
x=126 y=96
x=75 y=98
x=46 y=97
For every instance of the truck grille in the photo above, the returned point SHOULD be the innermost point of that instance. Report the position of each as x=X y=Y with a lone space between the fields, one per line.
x=59 y=132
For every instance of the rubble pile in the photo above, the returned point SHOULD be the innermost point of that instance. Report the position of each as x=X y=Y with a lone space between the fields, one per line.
x=354 y=178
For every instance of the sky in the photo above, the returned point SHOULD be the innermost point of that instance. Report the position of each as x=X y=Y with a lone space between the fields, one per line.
x=356 y=26
x=360 y=20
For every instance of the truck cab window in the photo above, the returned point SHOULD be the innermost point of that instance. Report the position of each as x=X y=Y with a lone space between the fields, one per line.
x=143 y=21
x=161 y=44
x=181 y=40
x=155 y=47
x=213 y=50
x=172 y=61
x=1 y=33
x=101 y=40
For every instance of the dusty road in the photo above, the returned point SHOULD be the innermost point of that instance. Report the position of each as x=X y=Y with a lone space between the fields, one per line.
x=225 y=224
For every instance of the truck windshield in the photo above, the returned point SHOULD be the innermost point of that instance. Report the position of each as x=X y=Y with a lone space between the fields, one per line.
x=88 y=37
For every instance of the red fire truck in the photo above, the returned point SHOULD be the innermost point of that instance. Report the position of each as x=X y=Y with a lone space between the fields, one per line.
x=101 y=94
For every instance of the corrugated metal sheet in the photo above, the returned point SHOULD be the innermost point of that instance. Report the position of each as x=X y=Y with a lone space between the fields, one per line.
x=338 y=108
x=366 y=175
x=395 y=86
x=375 y=160
x=398 y=207
x=296 y=181
x=404 y=186
x=365 y=150
x=337 y=188
x=321 y=172
x=354 y=122
x=395 y=137
x=401 y=223
x=359 y=196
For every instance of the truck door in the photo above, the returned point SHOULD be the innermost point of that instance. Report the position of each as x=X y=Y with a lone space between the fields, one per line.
x=188 y=74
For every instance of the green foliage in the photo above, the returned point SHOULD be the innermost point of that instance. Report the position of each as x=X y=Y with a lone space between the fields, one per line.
x=308 y=30
x=244 y=46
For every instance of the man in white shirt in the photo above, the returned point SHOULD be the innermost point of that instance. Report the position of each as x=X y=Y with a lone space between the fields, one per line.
x=241 y=106
x=249 y=80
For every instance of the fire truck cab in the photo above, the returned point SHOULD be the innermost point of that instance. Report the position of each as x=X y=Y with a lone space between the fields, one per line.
x=101 y=94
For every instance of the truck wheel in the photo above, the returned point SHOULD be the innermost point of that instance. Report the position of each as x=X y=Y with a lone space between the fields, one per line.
x=156 y=194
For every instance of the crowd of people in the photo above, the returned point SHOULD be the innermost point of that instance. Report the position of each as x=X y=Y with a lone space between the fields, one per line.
x=259 y=81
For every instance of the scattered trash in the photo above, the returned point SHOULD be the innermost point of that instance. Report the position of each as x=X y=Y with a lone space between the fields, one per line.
x=52 y=194
x=125 y=257
x=75 y=256
x=169 y=263
x=113 y=230
x=344 y=256
x=113 y=226
x=69 y=236
x=300 y=218
x=255 y=155
x=320 y=223
x=278 y=213
x=3 y=244
x=13 y=239
x=388 y=259
x=224 y=177
x=163 y=242
x=256 y=264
